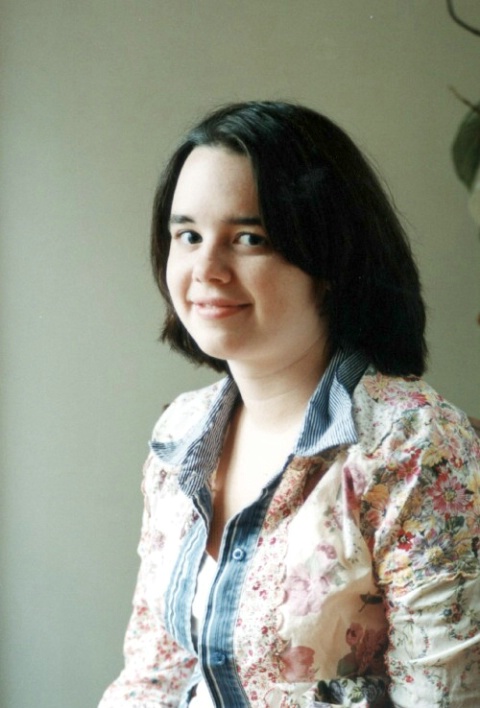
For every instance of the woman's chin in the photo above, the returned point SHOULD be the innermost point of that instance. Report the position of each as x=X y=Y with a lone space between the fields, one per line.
x=218 y=350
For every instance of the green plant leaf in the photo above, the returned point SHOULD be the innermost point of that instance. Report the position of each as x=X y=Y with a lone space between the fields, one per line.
x=466 y=147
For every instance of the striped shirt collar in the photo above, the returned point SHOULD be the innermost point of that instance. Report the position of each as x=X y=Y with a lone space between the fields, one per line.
x=328 y=422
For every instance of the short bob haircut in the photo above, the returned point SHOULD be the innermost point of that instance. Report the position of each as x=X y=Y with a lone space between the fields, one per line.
x=326 y=212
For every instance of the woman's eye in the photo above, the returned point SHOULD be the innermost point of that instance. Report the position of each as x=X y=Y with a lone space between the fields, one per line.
x=189 y=237
x=252 y=240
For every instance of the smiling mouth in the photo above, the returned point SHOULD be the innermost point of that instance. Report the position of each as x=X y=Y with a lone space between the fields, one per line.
x=218 y=310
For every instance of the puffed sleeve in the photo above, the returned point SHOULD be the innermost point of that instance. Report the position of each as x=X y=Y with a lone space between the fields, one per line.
x=422 y=515
x=157 y=670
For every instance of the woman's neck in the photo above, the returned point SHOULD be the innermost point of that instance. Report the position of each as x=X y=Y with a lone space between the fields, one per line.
x=274 y=399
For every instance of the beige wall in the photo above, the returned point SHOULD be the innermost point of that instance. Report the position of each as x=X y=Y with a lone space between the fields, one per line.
x=94 y=95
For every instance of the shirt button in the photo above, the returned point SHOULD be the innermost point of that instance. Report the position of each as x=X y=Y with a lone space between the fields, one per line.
x=238 y=554
x=218 y=659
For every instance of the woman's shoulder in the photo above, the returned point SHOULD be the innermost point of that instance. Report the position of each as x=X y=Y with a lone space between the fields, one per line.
x=383 y=402
x=397 y=391
x=186 y=411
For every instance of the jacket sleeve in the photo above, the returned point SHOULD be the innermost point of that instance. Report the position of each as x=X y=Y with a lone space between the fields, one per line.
x=423 y=512
x=157 y=670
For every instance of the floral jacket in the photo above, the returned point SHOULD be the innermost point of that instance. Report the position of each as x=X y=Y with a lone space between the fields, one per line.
x=352 y=580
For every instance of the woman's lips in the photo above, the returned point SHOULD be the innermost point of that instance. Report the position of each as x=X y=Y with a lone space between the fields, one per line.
x=217 y=309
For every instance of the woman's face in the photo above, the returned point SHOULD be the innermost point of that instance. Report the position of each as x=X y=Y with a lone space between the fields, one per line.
x=239 y=299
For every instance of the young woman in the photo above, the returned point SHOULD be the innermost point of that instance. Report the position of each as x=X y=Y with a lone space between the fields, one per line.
x=312 y=521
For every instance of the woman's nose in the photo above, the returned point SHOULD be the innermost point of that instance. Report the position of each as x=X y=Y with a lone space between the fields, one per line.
x=211 y=265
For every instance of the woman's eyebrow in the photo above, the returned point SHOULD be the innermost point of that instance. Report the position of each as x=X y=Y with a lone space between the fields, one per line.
x=244 y=221
x=180 y=219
